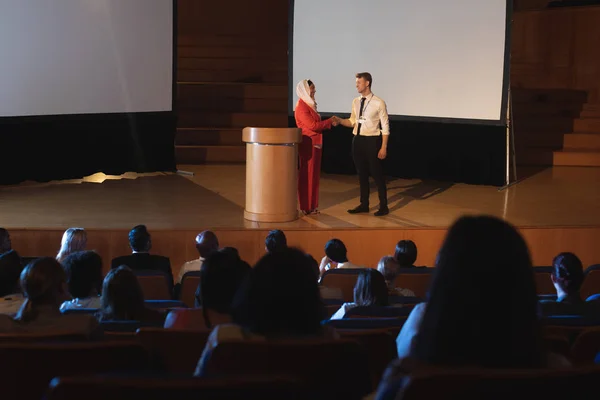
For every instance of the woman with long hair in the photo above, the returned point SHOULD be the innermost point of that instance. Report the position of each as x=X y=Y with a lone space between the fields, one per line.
x=44 y=285
x=74 y=239
x=123 y=299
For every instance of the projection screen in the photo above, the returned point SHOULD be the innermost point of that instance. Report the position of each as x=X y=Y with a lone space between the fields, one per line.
x=429 y=58
x=85 y=57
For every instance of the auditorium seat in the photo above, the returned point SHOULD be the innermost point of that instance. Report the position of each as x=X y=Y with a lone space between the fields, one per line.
x=173 y=351
x=155 y=284
x=271 y=387
x=416 y=279
x=189 y=284
x=380 y=346
x=547 y=384
x=586 y=346
x=378 y=312
x=338 y=366
x=31 y=366
x=591 y=281
x=343 y=279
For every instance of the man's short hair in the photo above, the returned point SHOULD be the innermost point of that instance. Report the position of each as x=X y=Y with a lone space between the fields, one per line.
x=366 y=76
x=139 y=238
x=276 y=240
x=336 y=250
x=84 y=273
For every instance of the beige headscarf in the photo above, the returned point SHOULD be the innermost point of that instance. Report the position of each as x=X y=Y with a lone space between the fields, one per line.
x=303 y=92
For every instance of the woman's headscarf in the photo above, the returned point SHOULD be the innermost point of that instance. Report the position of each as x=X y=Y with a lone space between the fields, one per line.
x=303 y=92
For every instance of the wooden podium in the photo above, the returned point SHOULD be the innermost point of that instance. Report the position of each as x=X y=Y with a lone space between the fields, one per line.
x=271 y=174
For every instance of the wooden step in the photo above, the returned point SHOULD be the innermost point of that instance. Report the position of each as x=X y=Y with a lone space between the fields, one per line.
x=209 y=137
x=539 y=139
x=258 y=39
x=584 y=125
x=232 y=104
x=210 y=154
x=211 y=90
x=547 y=95
x=255 y=76
x=187 y=119
x=534 y=156
x=553 y=123
x=591 y=107
x=590 y=141
x=544 y=109
x=264 y=52
x=241 y=64
x=576 y=157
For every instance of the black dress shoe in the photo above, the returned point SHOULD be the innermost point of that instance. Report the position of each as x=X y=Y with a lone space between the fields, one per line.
x=359 y=209
x=382 y=211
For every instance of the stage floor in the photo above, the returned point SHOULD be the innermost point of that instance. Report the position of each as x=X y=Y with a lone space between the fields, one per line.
x=214 y=198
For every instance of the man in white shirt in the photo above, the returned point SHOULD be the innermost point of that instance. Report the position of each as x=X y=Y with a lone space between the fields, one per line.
x=336 y=256
x=206 y=243
x=371 y=129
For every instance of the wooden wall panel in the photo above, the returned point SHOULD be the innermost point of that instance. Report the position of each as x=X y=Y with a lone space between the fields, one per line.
x=557 y=49
x=365 y=246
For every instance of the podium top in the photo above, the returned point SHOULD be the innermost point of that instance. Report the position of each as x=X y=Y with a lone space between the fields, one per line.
x=272 y=135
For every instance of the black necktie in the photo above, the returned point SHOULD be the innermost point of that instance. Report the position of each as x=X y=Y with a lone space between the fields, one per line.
x=362 y=104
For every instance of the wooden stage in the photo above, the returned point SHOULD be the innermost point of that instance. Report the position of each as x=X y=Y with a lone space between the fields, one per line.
x=557 y=210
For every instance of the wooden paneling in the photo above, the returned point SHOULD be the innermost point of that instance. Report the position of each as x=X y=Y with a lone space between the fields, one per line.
x=365 y=246
x=557 y=49
x=232 y=72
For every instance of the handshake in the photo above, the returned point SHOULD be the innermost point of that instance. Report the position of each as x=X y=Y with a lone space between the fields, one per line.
x=335 y=121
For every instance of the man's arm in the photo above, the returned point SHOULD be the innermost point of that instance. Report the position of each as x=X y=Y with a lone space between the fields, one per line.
x=385 y=131
x=349 y=122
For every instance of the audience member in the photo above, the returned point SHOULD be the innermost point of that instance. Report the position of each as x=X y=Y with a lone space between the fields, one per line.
x=123 y=300
x=206 y=243
x=221 y=275
x=84 y=279
x=140 y=242
x=370 y=290
x=567 y=277
x=482 y=309
x=74 y=239
x=389 y=268
x=10 y=271
x=406 y=253
x=45 y=288
x=275 y=241
x=279 y=299
x=336 y=256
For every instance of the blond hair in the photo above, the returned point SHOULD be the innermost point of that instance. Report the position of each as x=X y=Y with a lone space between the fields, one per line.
x=74 y=239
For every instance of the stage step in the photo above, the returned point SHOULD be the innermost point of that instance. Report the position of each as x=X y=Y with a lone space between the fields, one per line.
x=539 y=139
x=588 y=141
x=577 y=158
x=192 y=119
x=209 y=137
x=547 y=109
x=210 y=154
x=543 y=123
x=520 y=95
x=583 y=125
x=534 y=156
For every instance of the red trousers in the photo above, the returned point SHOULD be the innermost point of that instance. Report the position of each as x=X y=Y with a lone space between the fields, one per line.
x=309 y=174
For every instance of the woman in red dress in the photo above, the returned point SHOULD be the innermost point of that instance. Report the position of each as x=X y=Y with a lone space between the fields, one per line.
x=309 y=120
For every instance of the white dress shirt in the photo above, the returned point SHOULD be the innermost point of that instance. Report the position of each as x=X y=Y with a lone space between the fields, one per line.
x=193 y=265
x=374 y=117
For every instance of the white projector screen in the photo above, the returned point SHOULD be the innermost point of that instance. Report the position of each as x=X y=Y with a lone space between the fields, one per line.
x=85 y=56
x=428 y=58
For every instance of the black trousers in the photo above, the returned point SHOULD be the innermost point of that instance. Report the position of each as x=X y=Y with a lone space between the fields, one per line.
x=364 y=153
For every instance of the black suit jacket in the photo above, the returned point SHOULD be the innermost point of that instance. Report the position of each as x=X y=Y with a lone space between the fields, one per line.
x=145 y=261
x=10 y=270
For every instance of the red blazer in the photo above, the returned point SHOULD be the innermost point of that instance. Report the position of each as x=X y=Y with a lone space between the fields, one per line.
x=310 y=122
